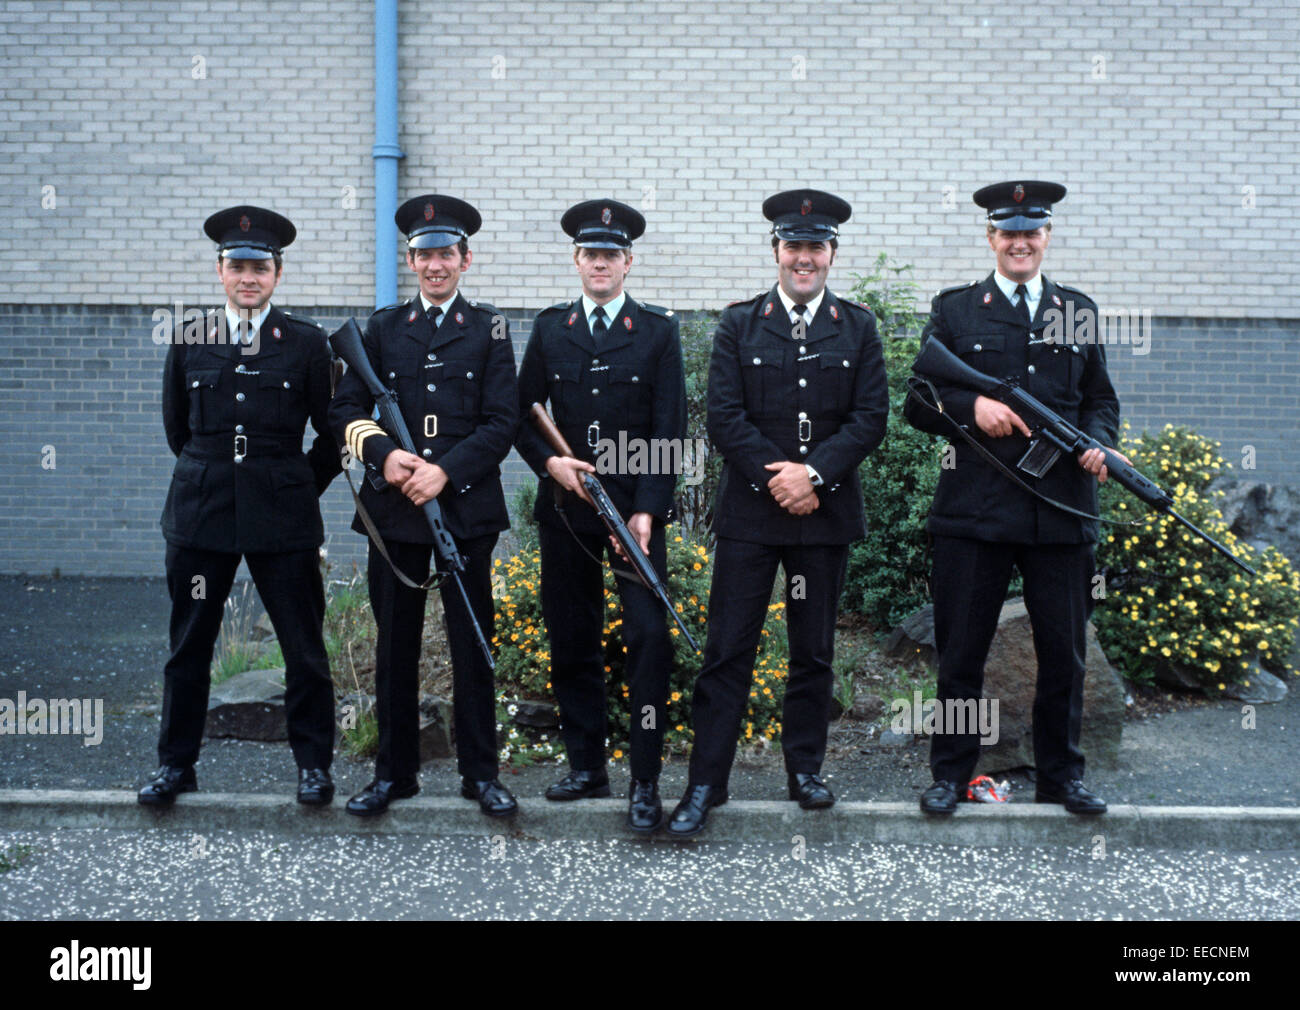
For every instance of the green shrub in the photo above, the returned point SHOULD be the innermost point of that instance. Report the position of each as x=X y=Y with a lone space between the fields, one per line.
x=696 y=502
x=524 y=660
x=1170 y=599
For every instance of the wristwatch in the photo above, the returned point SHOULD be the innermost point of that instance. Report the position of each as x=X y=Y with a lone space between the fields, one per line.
x=814 y=476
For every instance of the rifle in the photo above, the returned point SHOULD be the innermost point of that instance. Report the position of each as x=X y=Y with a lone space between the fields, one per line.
x=450 y=563
x=1052 y=436
x=612 y=520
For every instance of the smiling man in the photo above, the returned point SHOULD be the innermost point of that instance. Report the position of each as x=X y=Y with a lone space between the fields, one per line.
x=797 y=398
x=609 y=366
x=235 y=410
x=452 y=364
x=982 y=524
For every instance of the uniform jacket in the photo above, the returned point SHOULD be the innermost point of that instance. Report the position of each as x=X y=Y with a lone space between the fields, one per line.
x=213 y=393
x=822 y=400
x=455 y=386
x=634 y=387
x=979 y=325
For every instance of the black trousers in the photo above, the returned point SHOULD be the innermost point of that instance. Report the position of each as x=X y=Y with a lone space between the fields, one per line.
x=290 y=587
x=399 y=617
x=573 y=607
x=969 y=584
x=743 y=574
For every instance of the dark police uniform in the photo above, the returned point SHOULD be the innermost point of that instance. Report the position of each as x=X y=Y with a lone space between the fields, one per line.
x=630 y=386
x=777 y=394
x=983 y=524
x=243 y=487
x=455 y=383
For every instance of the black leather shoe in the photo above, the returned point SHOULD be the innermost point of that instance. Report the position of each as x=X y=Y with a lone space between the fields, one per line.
x=645 y=811
x=374 y=798
x=1076 y=797
x=315 y=787
x=811 y=792
x=693 y=810
x=580 y=786
x=493 y=798
x=167 y=782
x=941 y=798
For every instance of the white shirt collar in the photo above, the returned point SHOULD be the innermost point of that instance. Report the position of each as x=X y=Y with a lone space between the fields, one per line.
x=445 y=306
x=812 y=306
x=1008 y=287
x=612 y=307
x=233 y=319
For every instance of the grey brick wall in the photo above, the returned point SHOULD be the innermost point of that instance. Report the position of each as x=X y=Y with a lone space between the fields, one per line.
x=86 y=380
x=1164 y=118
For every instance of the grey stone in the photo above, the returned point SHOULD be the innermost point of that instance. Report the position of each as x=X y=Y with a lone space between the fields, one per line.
x=914 y=638
x=867 y=706
x=538 y=714
x=1258 y=687
x=248 y=706
x=1178 y=678
x=1262 y=514
x=262 y=629
x=436 y=735
x=1011 y=675
x=888 y=738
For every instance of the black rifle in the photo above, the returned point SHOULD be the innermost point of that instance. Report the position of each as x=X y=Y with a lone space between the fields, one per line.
x=612 y=520
x=449 y=562
x=1052 y=434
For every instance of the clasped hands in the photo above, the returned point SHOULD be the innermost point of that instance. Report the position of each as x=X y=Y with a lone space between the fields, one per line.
x=792 y=488
x=421 y=482
x=997 y=420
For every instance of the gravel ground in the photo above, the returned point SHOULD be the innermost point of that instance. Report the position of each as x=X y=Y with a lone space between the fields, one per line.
x=120 y=875
x=106 y=638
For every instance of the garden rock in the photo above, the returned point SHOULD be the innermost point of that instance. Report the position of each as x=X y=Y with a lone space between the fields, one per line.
x=248 y=706
x=436 y=734
x=1260 y=687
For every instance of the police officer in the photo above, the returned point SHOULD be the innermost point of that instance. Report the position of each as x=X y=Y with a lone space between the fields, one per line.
x=612 y=370
x=983 y=524
x=235 y=407
x=797 y=398
x=452 y=365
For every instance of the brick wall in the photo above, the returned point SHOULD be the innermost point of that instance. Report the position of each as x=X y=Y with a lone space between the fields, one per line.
x=145 y=116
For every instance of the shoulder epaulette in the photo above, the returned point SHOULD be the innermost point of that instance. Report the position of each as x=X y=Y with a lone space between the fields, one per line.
x=389 y=308
x=1072 y=290
x=657 y=310
x=956 y=287
x=746 y=301
x=557 y=307
x=857 y=305
x=304 y=320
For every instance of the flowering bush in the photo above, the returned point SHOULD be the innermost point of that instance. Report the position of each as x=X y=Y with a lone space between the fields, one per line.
x=1170 y=599
x=524 y=659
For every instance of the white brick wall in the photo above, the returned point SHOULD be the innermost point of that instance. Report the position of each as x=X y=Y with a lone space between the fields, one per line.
x=697 y=106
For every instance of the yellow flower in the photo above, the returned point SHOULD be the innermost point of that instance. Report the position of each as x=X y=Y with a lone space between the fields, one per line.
x=617 y=754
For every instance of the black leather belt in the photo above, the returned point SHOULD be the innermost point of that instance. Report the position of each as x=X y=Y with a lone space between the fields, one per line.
x=242 y=446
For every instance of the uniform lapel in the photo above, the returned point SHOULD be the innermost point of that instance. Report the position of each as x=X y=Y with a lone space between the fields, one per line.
x=994 y=306
x=413 y=324
x=453 y=323
x=271 y=337
x=622 y=328
x=575 y=327
x=827 y=321
x=775 y=319
x=1049 y=299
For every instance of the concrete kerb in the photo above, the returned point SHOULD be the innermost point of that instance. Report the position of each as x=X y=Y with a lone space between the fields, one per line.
x=977 y=825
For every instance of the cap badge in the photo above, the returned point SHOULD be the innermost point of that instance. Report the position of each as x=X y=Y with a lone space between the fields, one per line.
x=767 y=309
x=428 y=212
x=605 y=216
x=806 y=207
x=275 y=332
x=988 y=297
x=835 y=313
x=1018 y=194
x=460 y=318
x=244 y=223
x=1056 y=300
x=572 y=316
x=627 y=323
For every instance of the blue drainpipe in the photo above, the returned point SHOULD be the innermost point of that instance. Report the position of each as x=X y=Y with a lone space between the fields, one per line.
x=386 y=151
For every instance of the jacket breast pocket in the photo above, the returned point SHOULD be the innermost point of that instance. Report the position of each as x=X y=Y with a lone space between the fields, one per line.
x=760 y=373
x=202 y=384
x=631 y=394
x=284 y=397
x=462 y=382
x=1057 y=371
x=835 y=375
x=563 y=386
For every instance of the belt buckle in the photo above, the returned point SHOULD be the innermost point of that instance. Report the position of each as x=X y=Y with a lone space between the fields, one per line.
x=430 y=425
x=593 y=434
x=805 y=429
x=241 y=450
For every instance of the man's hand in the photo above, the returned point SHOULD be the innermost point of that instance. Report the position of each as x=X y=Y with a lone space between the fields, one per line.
x=996 y=419
x=804 y=505
x=565 y=470
x=791 y=487
x=399 y=465
x=640 y=526
x=1095 y=463
x=425 y=483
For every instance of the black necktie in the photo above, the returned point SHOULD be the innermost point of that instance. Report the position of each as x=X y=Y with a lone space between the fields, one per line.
x=1023 y=292
x=599 y=330
x=799 y=310
x=434 y=312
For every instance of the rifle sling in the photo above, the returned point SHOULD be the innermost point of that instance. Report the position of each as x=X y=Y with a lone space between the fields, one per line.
x=937 y=407
x=434 y=579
